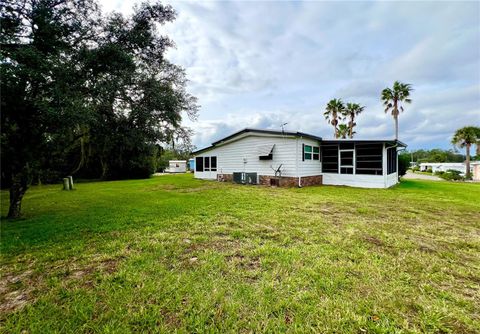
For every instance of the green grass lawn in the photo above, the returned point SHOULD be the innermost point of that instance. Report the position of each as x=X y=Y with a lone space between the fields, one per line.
x=176 y=254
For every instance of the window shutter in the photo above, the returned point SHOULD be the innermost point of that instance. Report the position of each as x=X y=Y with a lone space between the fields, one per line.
x=303 y=152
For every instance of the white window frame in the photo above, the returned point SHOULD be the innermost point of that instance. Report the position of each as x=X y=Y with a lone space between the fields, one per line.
x=304 y=152
x=311 y=153
x=317 y=147
x=340 y=166
x=213 y=169
x=205 y=168
x=209 y=168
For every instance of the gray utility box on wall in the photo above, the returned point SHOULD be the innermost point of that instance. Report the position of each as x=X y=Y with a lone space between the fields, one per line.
x=245 y=178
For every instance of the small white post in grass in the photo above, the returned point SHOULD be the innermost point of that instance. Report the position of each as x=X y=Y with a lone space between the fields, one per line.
x=66 y=183
x=70 y=182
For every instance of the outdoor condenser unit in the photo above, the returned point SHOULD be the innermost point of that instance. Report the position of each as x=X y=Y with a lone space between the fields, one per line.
x=245 y=178
x=251 y=178
x=238 y=177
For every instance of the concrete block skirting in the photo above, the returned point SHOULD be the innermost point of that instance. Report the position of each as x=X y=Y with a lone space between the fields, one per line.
x=285 y=181
x=225 y=177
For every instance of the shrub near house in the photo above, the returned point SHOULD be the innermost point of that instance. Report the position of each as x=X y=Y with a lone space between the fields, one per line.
x=450 y=175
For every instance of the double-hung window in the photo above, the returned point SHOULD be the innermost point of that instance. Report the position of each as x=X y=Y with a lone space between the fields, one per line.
x=307 y=152
x=311 y=152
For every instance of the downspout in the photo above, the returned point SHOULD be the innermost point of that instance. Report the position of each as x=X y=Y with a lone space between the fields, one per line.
x=384 y=164
x=299 y=177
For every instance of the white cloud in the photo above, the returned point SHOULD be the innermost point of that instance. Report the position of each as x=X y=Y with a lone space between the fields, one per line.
x=260 y=64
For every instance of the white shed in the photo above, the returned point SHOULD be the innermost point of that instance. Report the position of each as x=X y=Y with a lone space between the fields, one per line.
x=177 y=166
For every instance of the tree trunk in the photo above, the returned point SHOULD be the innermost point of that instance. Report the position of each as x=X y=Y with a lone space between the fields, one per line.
x=352 y=119
x=396 y=127
x=17 y=190
x=104 y=169
x=334 y=123
x=395 y=117
x=467 y=162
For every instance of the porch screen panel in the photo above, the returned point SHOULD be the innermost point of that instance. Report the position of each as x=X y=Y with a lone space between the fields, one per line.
x=392 y=160
x=199 y=164
x=369 y=158
x=213 y=164
x=207 y=164
x=346 y=161
x=330 y=158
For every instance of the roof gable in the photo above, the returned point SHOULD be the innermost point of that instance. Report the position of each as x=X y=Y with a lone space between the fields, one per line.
x=249 y=131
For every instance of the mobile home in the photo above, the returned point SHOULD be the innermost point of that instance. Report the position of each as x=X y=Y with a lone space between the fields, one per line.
x=282 y=158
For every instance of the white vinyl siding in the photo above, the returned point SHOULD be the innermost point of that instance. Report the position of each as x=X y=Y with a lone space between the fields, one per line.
x=355 y=180
x=243 y=156
x=308 y=167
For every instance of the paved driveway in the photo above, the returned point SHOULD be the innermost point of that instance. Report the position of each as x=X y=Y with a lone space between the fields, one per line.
x=419 y=176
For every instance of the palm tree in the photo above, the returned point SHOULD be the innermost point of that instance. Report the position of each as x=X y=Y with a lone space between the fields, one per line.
x=466 y=137
x=334 y=111
x=392 y=97
x=351 y=111
x=343 y=131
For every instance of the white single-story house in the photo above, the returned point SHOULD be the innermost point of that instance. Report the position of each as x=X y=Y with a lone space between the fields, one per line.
x=443 y=166
x=177 y=166
x=299 y=159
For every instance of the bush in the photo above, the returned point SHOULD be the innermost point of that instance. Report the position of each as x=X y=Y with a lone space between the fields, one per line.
x=403 y=164
x=451 y=175
x=429 y=170
x=415 y=169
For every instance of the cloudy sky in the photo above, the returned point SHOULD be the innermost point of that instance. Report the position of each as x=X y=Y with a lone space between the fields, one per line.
x=262 y=64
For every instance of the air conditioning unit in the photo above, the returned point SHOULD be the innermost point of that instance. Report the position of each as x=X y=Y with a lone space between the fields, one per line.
x=239 y=177
x=251 y=178
x=245 y=178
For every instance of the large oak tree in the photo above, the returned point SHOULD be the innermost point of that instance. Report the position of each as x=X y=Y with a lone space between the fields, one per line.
x=81 y=88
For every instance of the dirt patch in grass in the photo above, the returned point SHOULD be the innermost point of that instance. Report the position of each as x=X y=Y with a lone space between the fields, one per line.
x=108 y=266
x=17 y=290
x=177 y=189
x=170 y=318
x=15 y=300
x=244 y=262
x=374 y=241
x=161 y=187
x=193 y=250
x=426 y=249
x=220 y=245
x=198 y=189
